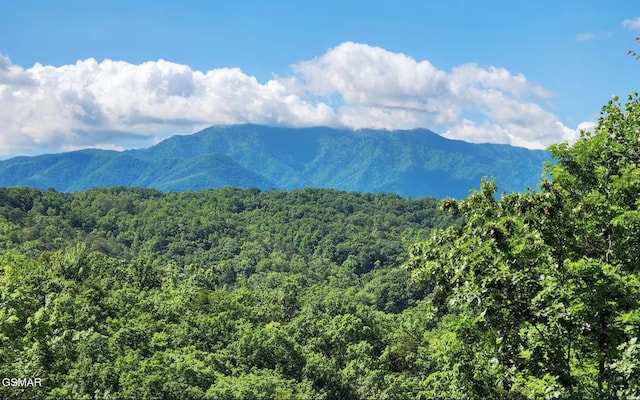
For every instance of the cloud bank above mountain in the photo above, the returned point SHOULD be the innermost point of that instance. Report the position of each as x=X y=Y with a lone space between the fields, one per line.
x=113 y=104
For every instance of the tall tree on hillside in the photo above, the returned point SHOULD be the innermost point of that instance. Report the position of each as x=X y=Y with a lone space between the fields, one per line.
x=544 y=285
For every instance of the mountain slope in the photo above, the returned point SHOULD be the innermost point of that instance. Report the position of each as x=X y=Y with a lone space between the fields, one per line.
x=411 y=163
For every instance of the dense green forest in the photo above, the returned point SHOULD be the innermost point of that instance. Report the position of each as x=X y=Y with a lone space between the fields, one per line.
x=223 y=293
x=321 y=294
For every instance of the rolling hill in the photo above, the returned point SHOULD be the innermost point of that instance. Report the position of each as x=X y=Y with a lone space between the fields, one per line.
x=412 y=163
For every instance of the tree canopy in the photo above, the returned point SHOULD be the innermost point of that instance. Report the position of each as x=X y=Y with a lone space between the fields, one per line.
x=539 y=290
x=237 y=293
x=227 y=293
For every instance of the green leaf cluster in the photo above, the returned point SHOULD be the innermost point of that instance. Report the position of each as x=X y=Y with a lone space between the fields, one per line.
x=536 y=295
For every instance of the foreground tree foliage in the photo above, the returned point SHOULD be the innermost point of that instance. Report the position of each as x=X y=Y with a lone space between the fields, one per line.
x=536 y=296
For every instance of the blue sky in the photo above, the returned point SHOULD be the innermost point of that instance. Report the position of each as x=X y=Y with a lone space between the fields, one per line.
x=77 y=74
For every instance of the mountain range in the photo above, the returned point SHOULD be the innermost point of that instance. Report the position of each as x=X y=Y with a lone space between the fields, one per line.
x=411 y=163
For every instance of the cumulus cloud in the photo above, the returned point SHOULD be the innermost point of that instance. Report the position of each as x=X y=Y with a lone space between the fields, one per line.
x=112 y=104
x=62 y=108
x=389 y=90
x=633 y=24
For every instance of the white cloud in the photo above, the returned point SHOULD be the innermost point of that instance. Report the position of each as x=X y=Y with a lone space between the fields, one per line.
x=632 y=24
x=50 y=108
x=581 y=37
x=389 y=90
x=111 y=104
x=587 y=126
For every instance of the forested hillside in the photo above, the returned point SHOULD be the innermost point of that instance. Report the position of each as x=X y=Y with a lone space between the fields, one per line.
x=414 y=163
x=321 y=294
x=223 y=293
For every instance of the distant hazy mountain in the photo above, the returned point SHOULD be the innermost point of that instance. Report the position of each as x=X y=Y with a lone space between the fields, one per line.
x=411 y=163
